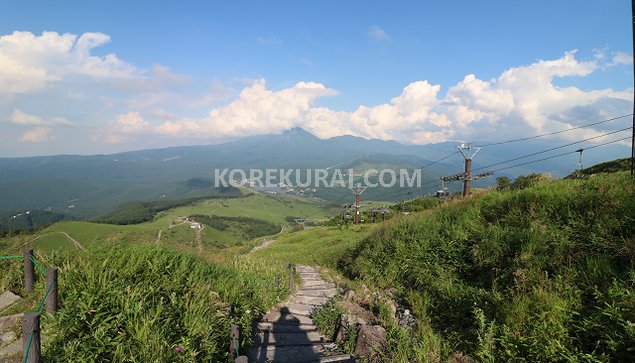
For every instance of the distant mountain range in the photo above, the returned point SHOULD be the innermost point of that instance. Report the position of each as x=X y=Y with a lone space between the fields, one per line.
x=88 y=186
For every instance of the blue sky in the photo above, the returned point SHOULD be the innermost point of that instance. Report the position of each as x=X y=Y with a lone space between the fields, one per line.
x=140 y=74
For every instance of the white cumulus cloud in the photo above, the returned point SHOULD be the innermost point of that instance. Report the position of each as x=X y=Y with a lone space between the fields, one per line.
x=38 y=134
x=522 y=99
x=257 y=110
x=19 y=117
x=30 y=63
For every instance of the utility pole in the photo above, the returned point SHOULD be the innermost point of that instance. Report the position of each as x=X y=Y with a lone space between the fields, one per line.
x=579 y=151
x=468 y=155
x=466 y=177
x=384 y=210
x=300 y=222
x=358 y=199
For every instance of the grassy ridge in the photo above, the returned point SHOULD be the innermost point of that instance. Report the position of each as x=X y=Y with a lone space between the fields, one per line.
x=243 y=227
x=143 y=211
x=541 y=274
x=138 y=304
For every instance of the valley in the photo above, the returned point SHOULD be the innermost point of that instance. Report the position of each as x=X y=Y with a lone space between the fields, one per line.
x=487 y=278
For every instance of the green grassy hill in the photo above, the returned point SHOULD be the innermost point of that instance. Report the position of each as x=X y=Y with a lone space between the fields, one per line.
x=544 y=272
x=126 y=297
x=260 y=214
x=540 y=274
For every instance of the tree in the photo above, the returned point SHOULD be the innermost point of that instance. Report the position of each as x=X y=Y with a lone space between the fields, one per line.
x=503 y=183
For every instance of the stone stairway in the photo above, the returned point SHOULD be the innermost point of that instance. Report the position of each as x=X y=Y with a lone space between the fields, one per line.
x=288 y=334
x=10 y=346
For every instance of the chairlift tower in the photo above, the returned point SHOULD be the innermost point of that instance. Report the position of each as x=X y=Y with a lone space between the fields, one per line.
x=358 y=199
x=300 y=222
x=384 y=210
x=468 y=154
x=579 y=163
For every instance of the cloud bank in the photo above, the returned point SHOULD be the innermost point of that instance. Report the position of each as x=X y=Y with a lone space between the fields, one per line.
x=521 y=100
x=135 y=102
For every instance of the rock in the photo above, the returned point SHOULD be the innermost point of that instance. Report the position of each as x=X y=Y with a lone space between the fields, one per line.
x=344 y=324
x=392 y=305
x=350 y=294
x=369 y=339
x=7 y=338
x=7 y=299
x=405 y=318
x=12 y=350
x=458 y=357
x=10 y=322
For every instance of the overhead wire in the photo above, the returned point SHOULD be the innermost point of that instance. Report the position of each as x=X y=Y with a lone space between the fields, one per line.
x=563 y=154
x=551 y=149
x=555 y=132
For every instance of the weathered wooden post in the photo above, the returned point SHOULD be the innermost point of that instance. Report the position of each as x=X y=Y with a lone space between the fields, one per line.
x=235 y=341
x=291 y=276
x=51 y=287
x=29 y=271
x=31 y=337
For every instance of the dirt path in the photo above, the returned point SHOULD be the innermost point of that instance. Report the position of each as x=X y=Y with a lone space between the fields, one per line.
x=75 y=242
x=199 y=239
x=266 y=243
x=161 y=231
x=66 y=235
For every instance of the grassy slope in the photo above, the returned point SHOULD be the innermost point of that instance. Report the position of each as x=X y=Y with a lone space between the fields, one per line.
x=139 y=303
x=541 y=274
x=127 y=299
x=259 y=206
x=321 y=246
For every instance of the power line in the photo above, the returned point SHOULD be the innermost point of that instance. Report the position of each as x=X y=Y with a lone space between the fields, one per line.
x=556 y=132
x=551 y=149
x=436 y=161
x=546 y=158
x=560 y=155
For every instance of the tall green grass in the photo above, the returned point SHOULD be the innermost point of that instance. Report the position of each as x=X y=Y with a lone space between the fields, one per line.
x=152 y=304
x=545 y=273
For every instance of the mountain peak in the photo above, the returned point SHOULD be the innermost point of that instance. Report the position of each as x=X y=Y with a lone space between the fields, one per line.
x=299 y=133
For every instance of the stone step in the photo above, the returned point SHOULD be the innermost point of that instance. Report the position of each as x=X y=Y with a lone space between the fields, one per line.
x=284 y=327
x=317 y=293
x=325 y=286
x=290 y=353
x=310 y=300
x=301 y=309
x=310 y=275
x=285 y=318
x=280 y=338
x=311 y=283
x=301 y=269
x=10 y=322
x=7 y=299
x=336 y=358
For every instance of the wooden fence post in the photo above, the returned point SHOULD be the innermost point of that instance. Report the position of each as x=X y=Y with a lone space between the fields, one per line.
x=51 y=287
x=31 y=325
x=29 y=272
x=291 y=277
x=235 y=341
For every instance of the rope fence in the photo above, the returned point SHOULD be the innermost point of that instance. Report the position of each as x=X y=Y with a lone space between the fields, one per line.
x=31 y=321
